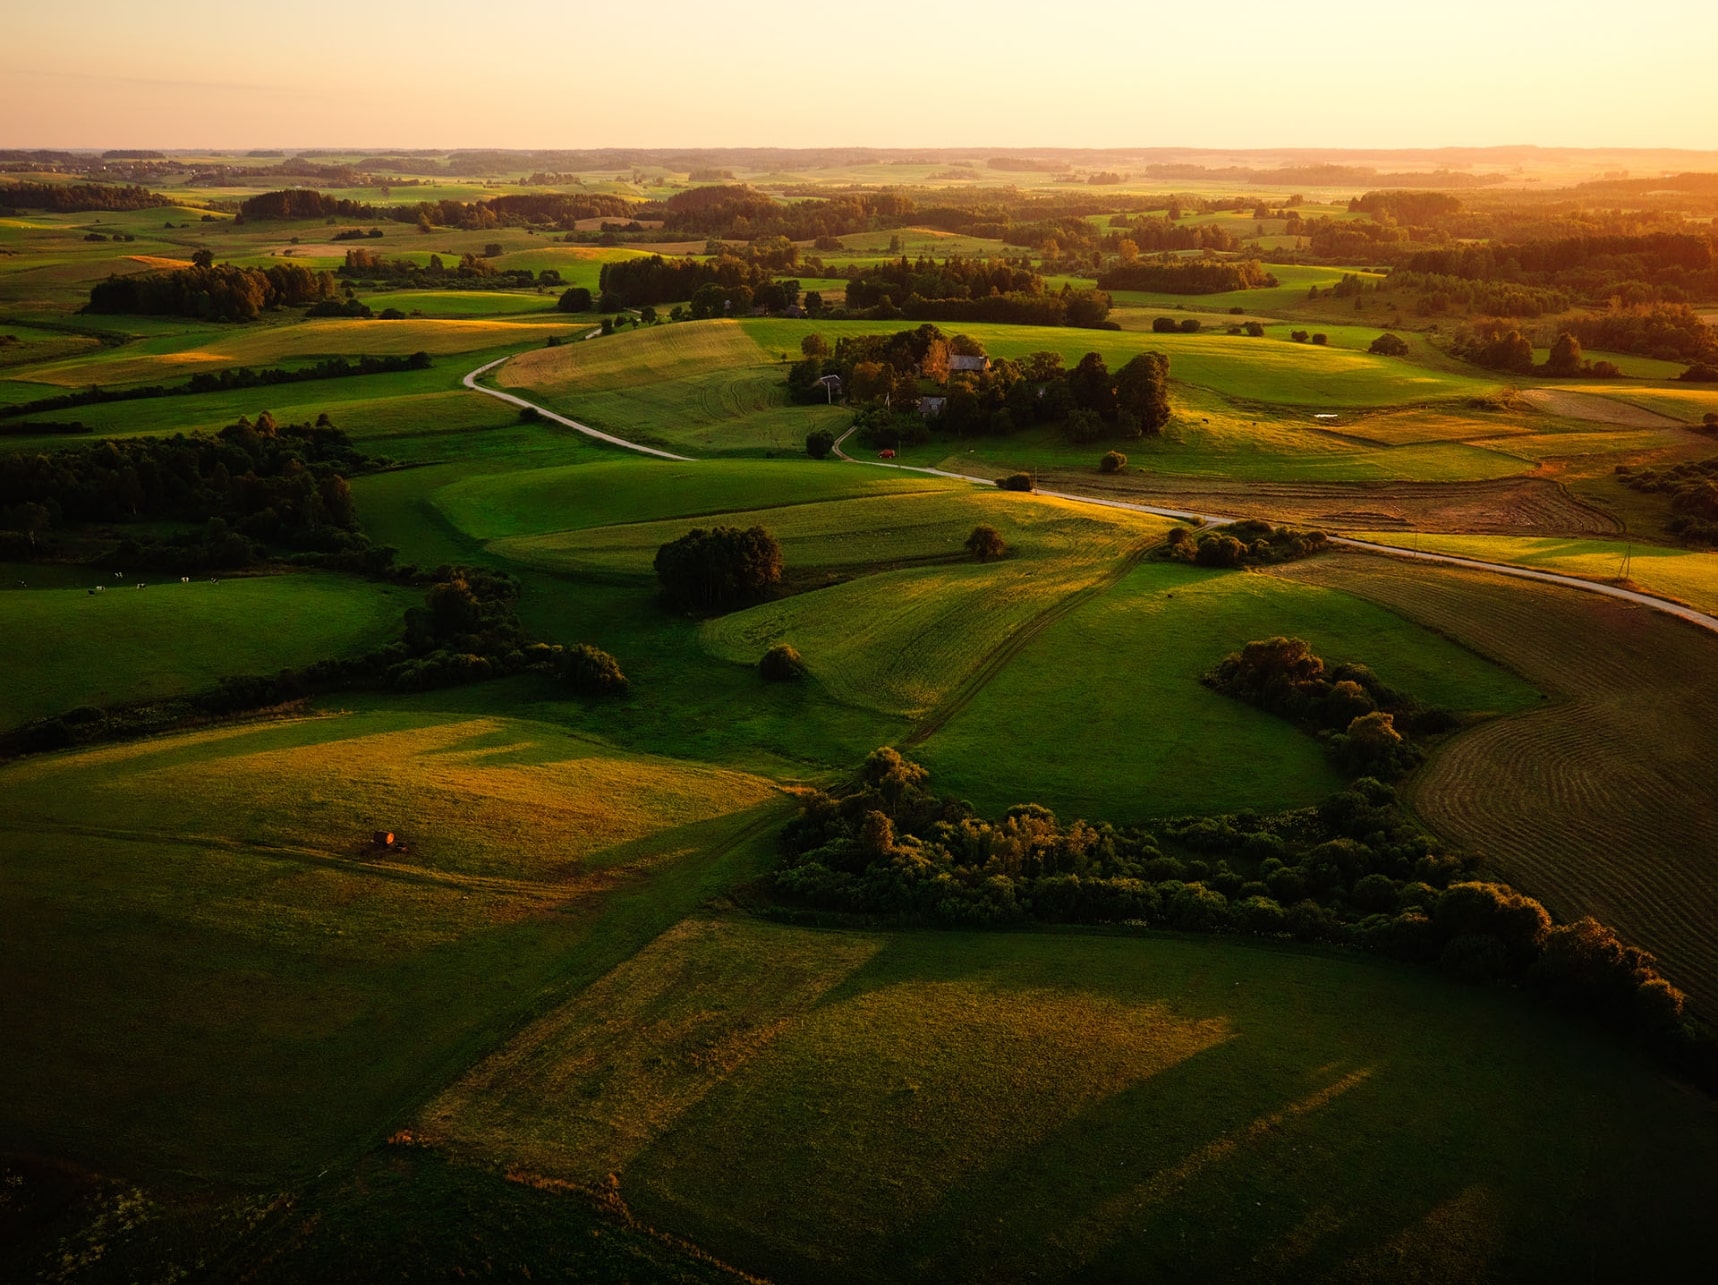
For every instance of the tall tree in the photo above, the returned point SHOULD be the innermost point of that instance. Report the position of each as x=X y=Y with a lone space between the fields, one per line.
x=1142 y=390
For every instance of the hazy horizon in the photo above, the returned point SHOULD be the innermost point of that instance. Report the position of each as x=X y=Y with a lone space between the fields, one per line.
x=177 y=76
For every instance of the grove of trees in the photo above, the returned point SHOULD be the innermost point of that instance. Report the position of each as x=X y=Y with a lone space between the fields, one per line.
x=719 y=568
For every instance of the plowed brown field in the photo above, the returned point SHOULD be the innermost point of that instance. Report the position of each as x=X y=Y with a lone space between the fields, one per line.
x=1513 y=506
x=1603 y=801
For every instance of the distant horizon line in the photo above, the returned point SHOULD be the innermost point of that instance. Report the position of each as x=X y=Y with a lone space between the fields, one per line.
x=881 y=149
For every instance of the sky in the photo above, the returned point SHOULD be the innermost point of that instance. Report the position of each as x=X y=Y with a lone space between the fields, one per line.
x=882 y=73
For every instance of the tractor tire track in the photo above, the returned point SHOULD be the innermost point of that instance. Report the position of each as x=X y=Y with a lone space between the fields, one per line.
x=999 y=657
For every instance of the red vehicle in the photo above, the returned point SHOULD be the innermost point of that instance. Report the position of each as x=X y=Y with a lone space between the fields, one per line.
x=887 y=454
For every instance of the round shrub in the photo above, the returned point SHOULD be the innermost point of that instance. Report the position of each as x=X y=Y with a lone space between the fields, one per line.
x=1375 y=894
x=986 y=543
x=782 y=664
x=819 y=442
x=591 y=672
x=1112 y=462
x=1015 y=482
x=1220 y=551
x=1196 y=908
x=1389 y=345
x=1259 y=915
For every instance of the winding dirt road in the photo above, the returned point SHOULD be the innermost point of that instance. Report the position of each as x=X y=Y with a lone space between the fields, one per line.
x=1700 y=619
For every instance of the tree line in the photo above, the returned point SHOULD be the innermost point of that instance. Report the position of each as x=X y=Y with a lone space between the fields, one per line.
x=1187 y=276
x=1671 y=267
x=633 y=283
x=473 y=271
x=552 y=209
x=251 y=483
x=1692 y=488
x=78 y=198
x=1366 y=725
x=221 y=381
x=1355 y=870
x=993 y=291
x=211 y=292
x=1249 y=543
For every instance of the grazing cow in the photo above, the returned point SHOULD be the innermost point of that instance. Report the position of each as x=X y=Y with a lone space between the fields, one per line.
x=184 y=579
x=886 y=455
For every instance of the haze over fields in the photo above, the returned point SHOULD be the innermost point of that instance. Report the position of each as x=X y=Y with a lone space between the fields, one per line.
x=888 y=644
x=1107 y=73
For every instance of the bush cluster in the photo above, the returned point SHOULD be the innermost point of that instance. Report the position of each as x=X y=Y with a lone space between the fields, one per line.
x=1365 y=724
x=1692 y=488
x=1243 y=544
x=718 y=569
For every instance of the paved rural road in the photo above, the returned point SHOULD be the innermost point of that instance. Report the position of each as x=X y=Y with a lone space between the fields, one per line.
x=470 y=381
x=1664 y=605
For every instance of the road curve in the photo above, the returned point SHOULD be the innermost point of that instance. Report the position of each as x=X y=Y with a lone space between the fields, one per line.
x=470 y=381
x=1700 y=619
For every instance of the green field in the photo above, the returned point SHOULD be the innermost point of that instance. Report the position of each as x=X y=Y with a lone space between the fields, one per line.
x=67 y=647
x=580 y=497
x=953 y=1107
x=900 y=641
x=1103 y=713
x=702 y=388
x=835 y=535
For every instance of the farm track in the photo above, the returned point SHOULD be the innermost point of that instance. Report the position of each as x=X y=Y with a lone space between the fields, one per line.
x=1597 y=410
x=1620 y=833
x=1010 y=647
x=391 y=870
x=470 y=381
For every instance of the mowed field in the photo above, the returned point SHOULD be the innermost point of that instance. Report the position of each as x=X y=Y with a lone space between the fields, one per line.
x=977 y=1107
x=177 y=357
x=1598 y=802
x=1102 y=715
x=614 y=490
x=698 y=388
x=219 y=975
x=900 y=641
x=66 y=647
x=1684 y=575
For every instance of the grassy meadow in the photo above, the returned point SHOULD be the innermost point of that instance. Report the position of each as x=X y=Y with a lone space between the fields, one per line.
x=1150 y=740
x=564 y=1031
x=216 y=890
x=67 y=647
